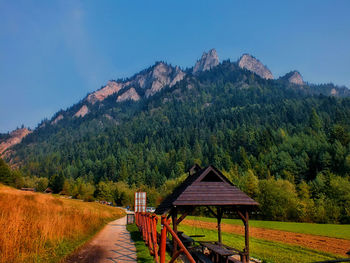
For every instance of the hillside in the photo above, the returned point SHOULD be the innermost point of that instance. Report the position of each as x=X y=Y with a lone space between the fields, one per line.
x=150 y=128
x=45 y=228
x=15 y=137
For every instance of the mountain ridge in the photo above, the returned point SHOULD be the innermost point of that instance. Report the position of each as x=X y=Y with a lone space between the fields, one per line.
x=226 y=116
x=151 y=81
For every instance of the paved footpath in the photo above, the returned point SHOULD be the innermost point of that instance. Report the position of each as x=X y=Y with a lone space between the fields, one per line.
x=111 y=244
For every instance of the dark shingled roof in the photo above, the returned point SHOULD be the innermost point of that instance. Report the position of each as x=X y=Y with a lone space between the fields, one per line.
x=206 y=187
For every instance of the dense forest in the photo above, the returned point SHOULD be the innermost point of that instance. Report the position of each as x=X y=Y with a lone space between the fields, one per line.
x=287 y=146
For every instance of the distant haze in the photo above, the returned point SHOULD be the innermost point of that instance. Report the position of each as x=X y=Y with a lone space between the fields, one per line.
x=52 y=53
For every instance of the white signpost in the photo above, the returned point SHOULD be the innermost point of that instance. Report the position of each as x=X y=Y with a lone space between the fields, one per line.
x=140 y=201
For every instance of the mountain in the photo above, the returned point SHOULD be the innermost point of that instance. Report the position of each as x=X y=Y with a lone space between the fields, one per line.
x=144 y=84
x=144 y=132
x=150 y=81
x=155 y=124
x=294 y=77
x=13 y=138
x=252 y=64
x=207 y=61
x=154 y=79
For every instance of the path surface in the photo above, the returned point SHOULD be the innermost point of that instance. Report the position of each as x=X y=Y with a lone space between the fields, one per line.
x=111 y=244
x=321 y=243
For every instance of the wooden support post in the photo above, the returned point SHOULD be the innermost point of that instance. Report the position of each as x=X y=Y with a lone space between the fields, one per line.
x=246 y=225
x=245 y=218
x=170 y=213
x=163 y=240
x=212 y=212
x=175 y=256
x=174 y=219
x=182 y=217
x=219 y=213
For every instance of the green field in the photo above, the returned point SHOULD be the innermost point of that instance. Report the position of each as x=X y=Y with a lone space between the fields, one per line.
x=267 y=251
x=271 y=251
x=328 y=230
x=142 y=251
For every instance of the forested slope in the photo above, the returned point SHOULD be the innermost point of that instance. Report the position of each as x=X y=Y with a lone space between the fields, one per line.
x=255 y=130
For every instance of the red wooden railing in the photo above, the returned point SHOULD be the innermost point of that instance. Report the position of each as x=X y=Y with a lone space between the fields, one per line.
x=147 y=224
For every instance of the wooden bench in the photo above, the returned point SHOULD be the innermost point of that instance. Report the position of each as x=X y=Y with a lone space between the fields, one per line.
x=200 y=257
x=218 y=252
x=233 y=260
x=186 y=240
x=238 y=252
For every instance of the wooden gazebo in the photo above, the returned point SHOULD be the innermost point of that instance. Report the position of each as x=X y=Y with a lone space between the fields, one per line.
x=210 y=188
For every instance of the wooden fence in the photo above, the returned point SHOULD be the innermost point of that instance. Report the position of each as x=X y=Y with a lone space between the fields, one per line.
x=156 y=242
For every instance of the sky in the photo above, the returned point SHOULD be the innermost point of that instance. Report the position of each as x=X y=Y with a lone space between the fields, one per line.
x=53 y=53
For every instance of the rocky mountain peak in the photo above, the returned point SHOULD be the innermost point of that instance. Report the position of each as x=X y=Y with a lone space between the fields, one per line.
x=82 y=112
x=130 y=94
x=151 y=80
x=295 y=77
x=161 y=72
x=57 y=119
x=160 y=75
x=207 y=61
x=16 y=136
x=99 y=95
x=252 y=64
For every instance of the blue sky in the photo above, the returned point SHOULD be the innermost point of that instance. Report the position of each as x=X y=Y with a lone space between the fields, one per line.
x=52 y=53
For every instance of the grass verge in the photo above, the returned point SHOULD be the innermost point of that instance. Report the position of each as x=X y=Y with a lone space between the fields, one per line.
x=328 y=230
x=142 y=251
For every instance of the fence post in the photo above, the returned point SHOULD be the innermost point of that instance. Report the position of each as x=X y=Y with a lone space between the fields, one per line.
x=154 y=236
x=146 y=229
x=148 y=233
x=163 y=240
x=143 y=226
x=149 y=236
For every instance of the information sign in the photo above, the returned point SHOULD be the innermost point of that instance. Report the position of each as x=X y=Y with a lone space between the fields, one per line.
x=140 y=202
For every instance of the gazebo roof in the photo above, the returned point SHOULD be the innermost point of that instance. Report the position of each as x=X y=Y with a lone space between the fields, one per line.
x=206 y=187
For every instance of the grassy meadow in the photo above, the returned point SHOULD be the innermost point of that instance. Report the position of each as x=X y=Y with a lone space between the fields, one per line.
x=36 y=227
x=328 y=230
x=268 y=251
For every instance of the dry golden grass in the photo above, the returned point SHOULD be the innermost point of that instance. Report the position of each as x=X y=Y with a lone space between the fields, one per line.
x=42 y=228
